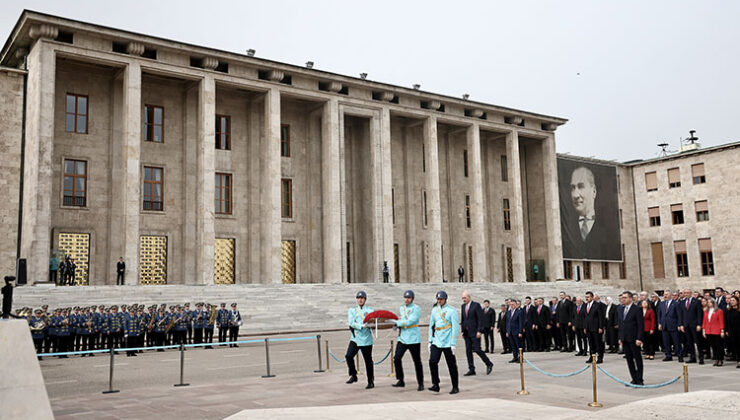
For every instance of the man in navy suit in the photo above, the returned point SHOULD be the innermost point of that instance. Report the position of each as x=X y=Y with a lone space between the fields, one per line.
x=514 y=328
x=719 y=296
x=631 y=331
x=668 y=320
x=594 y=324
x=692 y=316
x=528 y=308
x=472 y=327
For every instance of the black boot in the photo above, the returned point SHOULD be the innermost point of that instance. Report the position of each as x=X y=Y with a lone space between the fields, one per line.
x=352 y=379
x=399 y=384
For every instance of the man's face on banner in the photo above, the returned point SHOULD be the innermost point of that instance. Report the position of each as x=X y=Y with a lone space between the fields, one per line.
x=583 y=191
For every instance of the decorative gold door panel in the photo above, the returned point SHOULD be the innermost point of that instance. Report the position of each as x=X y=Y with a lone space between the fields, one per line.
x=223 y=270
x=77 y=247
x=288 y=258
x=152 y=260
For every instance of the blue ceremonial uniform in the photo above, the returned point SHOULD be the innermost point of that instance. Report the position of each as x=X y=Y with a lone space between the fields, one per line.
x=408 y=323
x=362 y=340
x=444 y=327
x=222 y=319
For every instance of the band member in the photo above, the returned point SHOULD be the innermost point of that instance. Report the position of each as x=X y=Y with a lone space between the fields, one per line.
x=117 y=324
x=223 y=323
x=170 y=334
x=209 y=325
x=74 y=330
x=63 y=326
x=161 y=320
x=84 y=330
x=409 y=338
x=362 y=340
x=199 y=321
x=444 y=327
x=132 y=331
x=235 y=321
x=38 y=330
x=181 y=326
x=105 y=333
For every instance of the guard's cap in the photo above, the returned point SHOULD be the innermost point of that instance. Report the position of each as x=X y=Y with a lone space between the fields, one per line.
x=38 y=311
x=441 y=295
x=361 y=294
x=233 y=305
x=408 y=294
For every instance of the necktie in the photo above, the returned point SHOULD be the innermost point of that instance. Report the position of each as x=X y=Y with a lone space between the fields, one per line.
x=627 y=309
x=467 y=309
x=588 y=308
x=584 y=228
x=687 y=304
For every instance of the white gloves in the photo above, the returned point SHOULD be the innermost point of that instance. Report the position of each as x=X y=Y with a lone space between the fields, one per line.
x=364 y=326
x=429 y=347
x=394 y=321
x=453 y=349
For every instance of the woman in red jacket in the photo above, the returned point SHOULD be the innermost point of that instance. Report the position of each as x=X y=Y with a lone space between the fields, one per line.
x=714 y=330
x=648 y=316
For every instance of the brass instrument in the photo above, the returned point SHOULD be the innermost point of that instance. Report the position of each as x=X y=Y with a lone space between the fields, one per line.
x=214 y=315
x=38 y=326
x=172 y=324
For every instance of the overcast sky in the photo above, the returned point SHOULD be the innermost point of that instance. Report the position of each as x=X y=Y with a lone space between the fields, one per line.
x=627 y=74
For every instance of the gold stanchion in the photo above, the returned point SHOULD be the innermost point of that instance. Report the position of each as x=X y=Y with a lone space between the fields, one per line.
x=393 y=372
x=327 y=356
x=685 y=377
x=595 y=402
x=521 y=373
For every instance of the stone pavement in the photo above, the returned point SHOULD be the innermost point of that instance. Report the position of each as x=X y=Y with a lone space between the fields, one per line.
x=226 y=381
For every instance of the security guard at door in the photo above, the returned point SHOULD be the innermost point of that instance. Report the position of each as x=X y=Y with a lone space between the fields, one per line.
x=362 y=340
x=444 y=327
x=409 y=338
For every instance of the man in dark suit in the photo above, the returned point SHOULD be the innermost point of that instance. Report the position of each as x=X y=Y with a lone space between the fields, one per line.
x=501 y=327
x=472 y=329
x=594 y=324
x=514 y=328
x=120 y=272
x=541 y=325
x=719 y=296
x=528 y=309
x=668 y=320
x=691 y=316
x=578 y=322
x=631 y=330
x=489 y=320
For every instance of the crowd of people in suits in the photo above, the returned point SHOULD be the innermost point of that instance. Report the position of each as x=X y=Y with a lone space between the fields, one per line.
x=65 y=330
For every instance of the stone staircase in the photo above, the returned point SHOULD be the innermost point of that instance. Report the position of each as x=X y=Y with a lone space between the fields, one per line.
x=294 y=307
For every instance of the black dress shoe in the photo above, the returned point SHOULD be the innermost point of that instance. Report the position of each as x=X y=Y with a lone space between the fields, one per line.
x=667 y=359
x=489 y=369
x=599 y=361
x=701 y=361
x=352 y=379
x=370 y=386
x=420 y=387
x=434 y=388
x=399 y=384
x=588 y=361
x=680 y=359
x=454 y=390
x=513 y=361
x=691 y=361
x=469 y=373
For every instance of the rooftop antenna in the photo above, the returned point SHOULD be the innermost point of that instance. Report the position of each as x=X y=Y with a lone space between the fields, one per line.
x=663 y=149
x=692 y=138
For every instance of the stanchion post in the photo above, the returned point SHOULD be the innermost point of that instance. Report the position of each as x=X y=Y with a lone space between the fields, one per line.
x=393 y=372
x=327 y=357
x=685 y=377
x=595 y=402
x=182 y=365
x=521 y=373
x=267 y=358
x=110 y=375
x=318 y=348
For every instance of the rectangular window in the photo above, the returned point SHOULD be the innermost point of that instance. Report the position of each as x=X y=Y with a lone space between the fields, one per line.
x=682 y=259
x=285 y=140
x=153 y=191
x=75 y=183
x=623 y=265
x=654 y=215
x=465 y=163
x=467 y=211
x=568 y=269
x=651 y=181
x=507 y=215
x=154 y=123
x=504 y=169
x=674 y=178
x=424 y=208
x=76 y=114
x=621 y=222
x=677 y=214
x=287 y=198
x=702 y=211
x=707 y=260
x=605 y=270
x=658 y=265
x=587 y=270
x=697 y=173
x=223 y=132
x=223 y=193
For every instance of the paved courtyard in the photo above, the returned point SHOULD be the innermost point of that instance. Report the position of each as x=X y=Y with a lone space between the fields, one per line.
x=225 y=381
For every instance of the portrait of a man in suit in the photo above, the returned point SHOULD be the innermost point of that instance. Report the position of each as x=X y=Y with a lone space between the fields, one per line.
x=589 y=211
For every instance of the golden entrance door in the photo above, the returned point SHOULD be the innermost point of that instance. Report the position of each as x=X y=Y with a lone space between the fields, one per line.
x=77 y=247
x=152 y=260
x=288 y=258
x=223 y=270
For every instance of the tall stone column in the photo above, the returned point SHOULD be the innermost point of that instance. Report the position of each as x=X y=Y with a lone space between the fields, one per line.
x=554 y=268
x=480 y=253
x=37 y=197
x=517 y=213
x=270 y=187
x=431 y=181
x=384 y=214
x=205 y=235
x=331 y=219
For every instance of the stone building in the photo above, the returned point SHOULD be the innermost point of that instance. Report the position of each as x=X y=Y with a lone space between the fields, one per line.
x=201 y=166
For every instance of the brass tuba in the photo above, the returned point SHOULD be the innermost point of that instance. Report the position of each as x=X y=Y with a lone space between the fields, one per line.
x=214 y=315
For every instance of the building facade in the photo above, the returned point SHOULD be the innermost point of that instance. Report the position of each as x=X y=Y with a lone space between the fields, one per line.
x=199 y=166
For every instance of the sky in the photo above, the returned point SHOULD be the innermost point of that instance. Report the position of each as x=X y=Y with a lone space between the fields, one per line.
x=626 y=74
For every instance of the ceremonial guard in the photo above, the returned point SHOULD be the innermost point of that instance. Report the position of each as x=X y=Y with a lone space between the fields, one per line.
x=38 y=330
x=223 y=323
x=409 y=338
x=199 y=322
x=210 y=317
x=444 y=327
x=235 y=321
x=362 y=340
